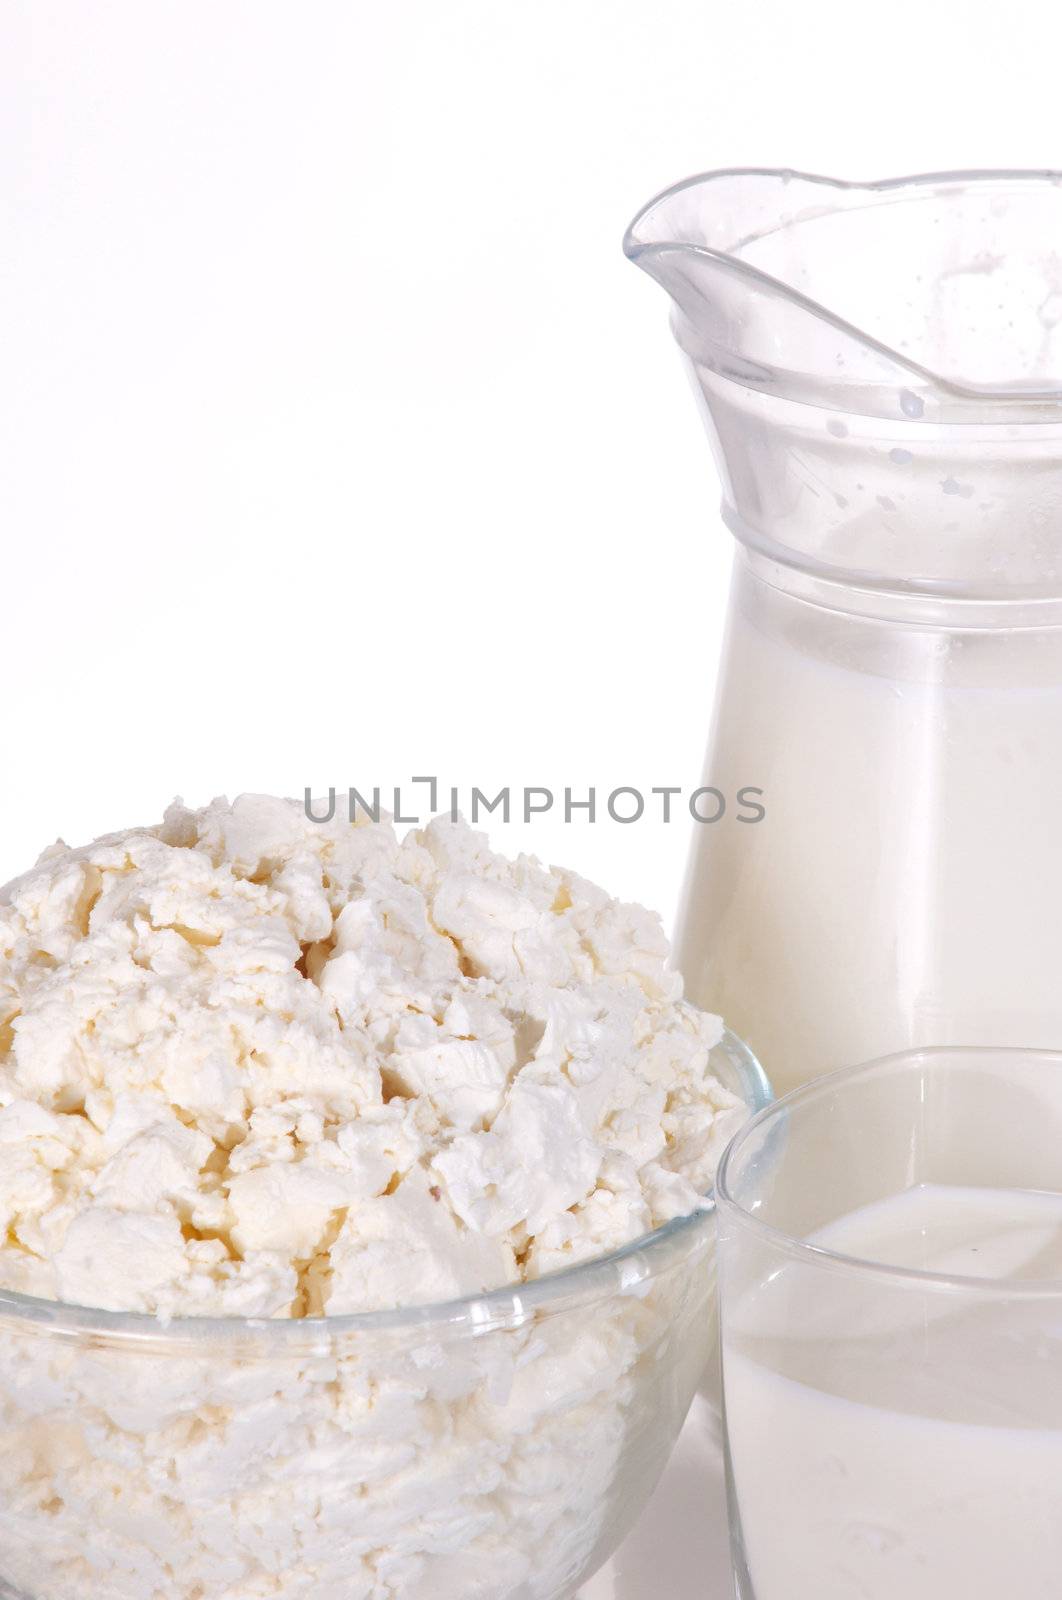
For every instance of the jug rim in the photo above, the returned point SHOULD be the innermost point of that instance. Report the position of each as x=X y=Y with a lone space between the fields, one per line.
x=973 y=402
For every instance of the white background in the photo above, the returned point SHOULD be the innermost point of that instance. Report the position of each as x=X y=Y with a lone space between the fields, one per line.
x=340 y=443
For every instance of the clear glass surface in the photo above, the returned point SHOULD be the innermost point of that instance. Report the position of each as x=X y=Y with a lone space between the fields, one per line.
x=890 y=1266
x=495 y=1448
x=880 y=370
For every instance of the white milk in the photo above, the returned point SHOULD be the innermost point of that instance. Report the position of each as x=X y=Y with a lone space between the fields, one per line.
x=919 y=1457
x=905 y=885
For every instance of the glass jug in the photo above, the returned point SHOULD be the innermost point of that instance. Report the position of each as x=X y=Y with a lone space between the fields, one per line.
x=880 y=368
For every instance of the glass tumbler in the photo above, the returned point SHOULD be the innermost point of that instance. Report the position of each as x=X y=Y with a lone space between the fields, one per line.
x=890 y=1262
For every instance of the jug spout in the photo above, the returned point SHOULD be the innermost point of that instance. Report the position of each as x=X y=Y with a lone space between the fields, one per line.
x=881 y=368
x=726 y=249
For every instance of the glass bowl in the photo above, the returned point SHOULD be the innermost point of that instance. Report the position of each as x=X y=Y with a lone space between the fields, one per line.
x=495 y=1448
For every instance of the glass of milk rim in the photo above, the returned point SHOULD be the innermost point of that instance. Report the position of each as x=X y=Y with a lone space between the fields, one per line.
x=890 y=1289
x=879 y=366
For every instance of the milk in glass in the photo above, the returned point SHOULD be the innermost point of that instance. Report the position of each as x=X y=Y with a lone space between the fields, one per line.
x=918 y=1455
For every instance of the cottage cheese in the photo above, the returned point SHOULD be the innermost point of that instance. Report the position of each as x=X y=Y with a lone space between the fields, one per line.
x=256 y=1066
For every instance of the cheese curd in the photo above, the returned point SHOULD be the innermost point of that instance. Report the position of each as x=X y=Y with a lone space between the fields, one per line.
x=257 y=1066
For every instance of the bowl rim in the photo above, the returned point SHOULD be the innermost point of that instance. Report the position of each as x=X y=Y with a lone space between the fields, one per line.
x=511 y=1305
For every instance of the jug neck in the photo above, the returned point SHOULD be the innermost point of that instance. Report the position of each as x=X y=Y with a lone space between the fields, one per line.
x=851 y=507
x=892 y=608
x=880 y=367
